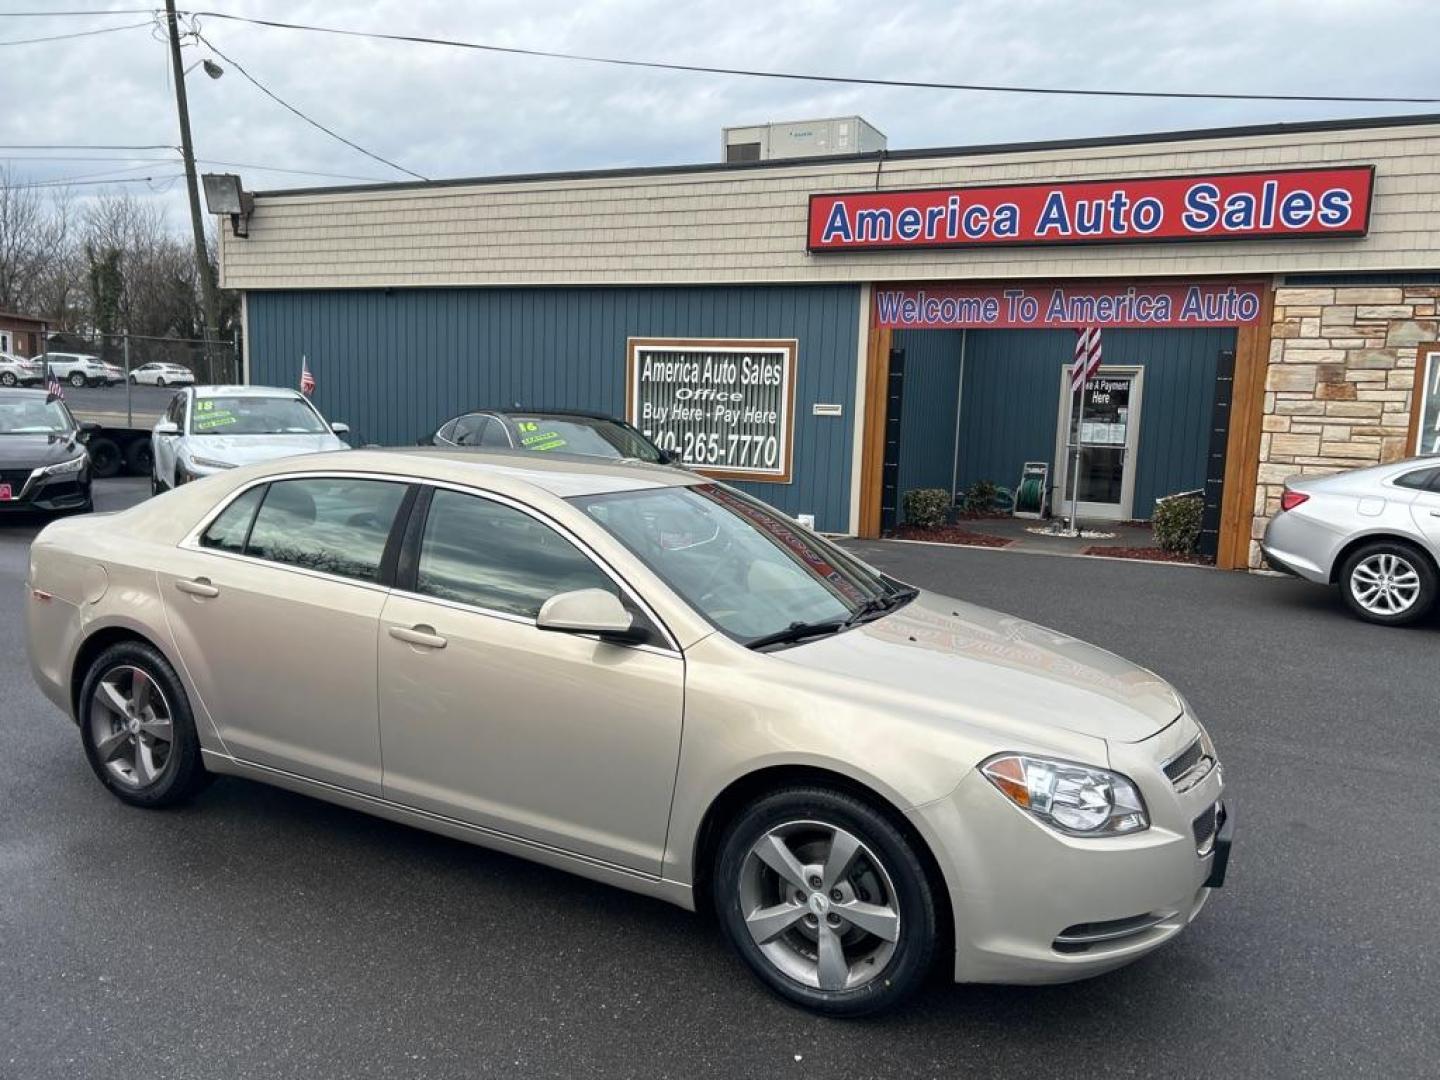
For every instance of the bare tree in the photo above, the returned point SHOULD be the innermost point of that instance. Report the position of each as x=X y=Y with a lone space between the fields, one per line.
x=26 y=241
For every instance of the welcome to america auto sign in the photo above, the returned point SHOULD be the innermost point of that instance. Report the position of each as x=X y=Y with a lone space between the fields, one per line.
x=723 y=407
x=1273 y=205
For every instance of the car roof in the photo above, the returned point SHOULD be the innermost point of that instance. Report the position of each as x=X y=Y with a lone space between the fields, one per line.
x=513 y=471
x=516 y=410
x=245 y=391
x=17 y=392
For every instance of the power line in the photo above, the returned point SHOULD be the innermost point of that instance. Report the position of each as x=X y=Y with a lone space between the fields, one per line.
x=78 y=34
x=88 y=183
x=804 y=77
x=313 y=123
x=85 y=146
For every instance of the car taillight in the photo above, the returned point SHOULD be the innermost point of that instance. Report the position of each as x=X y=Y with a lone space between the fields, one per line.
x=1291 y=499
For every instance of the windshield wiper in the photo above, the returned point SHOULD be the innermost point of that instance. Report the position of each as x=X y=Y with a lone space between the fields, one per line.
x=797 y=631
x=881 y=605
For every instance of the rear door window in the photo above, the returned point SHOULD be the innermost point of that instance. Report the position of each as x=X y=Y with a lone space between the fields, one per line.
x=336 y=525
x=228 y=531
x=1420 y=480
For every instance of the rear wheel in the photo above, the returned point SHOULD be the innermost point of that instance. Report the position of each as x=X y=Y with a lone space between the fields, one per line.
x=105 y=458
x=139 y=457
x=137 y=727
x=77 y=379
x=826 y=901
x=159 y=380
x=1388 y=582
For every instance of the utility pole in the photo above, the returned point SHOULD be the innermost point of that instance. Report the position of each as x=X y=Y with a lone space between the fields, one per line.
x=187 y=149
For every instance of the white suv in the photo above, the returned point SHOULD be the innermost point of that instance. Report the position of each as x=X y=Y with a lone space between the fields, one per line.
x=17 y=371
x=78 y=369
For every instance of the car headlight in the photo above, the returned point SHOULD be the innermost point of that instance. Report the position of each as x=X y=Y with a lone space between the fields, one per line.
x=1080 y=800
x=66 y=468
x=211 y=463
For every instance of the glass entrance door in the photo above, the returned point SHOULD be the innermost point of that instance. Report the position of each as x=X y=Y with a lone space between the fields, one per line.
x=1108 y=433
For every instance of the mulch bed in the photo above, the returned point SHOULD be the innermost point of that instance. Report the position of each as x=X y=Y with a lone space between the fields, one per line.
x=982 y=515
x=950 y=534
x=1154 y=554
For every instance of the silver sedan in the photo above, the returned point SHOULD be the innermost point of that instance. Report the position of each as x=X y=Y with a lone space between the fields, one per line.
x=1374 y=532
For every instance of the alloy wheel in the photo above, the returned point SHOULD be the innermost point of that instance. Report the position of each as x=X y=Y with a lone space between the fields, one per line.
x=131 y=726
x=1385 y=584
x=820 y=905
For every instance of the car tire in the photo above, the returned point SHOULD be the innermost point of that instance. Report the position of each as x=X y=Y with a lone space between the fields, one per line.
x=76 y=379
x=795 y=942
x=137 y=727
x=159 y=381
x=105 y=458
x=7 y=378
x=140 y=457
x=1388 y=582
x=155 y=486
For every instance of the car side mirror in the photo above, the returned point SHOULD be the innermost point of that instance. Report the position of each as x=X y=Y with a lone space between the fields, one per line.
x=340 y=428
x=590 y=611
x=167 y=427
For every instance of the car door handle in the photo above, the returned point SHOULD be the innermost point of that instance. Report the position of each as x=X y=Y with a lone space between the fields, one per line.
x=200 y=586
x=421 y=635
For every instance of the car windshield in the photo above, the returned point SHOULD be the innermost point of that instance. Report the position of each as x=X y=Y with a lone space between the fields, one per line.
x=592 y=437
x=748 y=569
x=33 y=416
x=254 y=416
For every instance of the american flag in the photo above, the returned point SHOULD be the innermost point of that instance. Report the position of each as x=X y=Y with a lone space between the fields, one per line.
x=1087 y=357
x=307 y=381
x=52 y=385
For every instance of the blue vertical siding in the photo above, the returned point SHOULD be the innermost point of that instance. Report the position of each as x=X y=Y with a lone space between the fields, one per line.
x=927 y=414
x=394 y=363
x=1012 y=403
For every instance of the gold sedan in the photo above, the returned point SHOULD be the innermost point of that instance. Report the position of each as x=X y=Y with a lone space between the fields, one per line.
x=650 y=679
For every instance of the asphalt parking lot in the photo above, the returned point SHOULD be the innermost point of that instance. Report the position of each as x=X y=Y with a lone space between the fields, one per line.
x=256 y=933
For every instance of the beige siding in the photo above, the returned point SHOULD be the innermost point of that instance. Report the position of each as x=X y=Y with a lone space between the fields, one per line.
x=749 y=225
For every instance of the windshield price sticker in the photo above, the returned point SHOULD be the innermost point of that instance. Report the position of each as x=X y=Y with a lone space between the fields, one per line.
x=724 y=408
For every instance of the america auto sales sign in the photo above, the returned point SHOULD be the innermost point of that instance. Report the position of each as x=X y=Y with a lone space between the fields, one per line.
x=1272 y=205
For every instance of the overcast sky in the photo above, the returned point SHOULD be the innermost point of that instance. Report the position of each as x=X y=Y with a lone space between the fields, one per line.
x=447 y=113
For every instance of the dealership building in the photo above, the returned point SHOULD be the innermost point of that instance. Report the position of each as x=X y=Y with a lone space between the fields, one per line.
x=830 y=331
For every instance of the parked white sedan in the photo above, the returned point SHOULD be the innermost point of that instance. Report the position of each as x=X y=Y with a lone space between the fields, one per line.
x=209 y=429
x=160 y=374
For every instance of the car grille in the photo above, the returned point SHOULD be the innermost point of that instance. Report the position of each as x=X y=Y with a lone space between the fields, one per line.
x=1190 y=766
x=1204 y=828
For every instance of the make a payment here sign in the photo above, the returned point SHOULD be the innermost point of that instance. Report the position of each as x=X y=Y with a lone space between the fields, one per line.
x=723 y=407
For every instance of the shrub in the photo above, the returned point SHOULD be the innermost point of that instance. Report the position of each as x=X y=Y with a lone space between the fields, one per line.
x=980 y=497
x=1177 y=522
x=926 y=508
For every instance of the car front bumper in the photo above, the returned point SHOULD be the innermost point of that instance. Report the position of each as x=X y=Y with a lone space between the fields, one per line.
x=1032 y=905
x=50 y=495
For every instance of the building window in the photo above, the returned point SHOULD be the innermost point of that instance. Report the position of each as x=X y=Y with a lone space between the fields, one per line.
x=748 y=151
x=1427 y=404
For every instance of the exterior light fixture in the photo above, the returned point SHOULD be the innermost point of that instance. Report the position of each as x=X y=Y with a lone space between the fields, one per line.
x=224 y=195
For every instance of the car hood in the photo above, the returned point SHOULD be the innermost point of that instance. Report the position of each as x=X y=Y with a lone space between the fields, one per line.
x=991 y=667
x=249 y=449
x=32 y=451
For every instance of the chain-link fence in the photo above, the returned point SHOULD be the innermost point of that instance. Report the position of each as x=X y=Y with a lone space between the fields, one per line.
x=128 y=380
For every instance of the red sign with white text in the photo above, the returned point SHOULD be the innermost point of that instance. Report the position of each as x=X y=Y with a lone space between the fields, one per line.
x=955 y=307
x=1272 y=205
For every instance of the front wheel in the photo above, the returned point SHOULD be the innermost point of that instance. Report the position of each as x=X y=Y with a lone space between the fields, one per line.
x=827 y=901
x=137 y=727
x=7 y=378
x=1389 y=583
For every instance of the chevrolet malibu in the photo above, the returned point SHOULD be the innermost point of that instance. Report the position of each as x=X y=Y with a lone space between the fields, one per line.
x=650 y=679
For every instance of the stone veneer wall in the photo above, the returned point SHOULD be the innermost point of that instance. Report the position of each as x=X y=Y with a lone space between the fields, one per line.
x=1338 y=391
